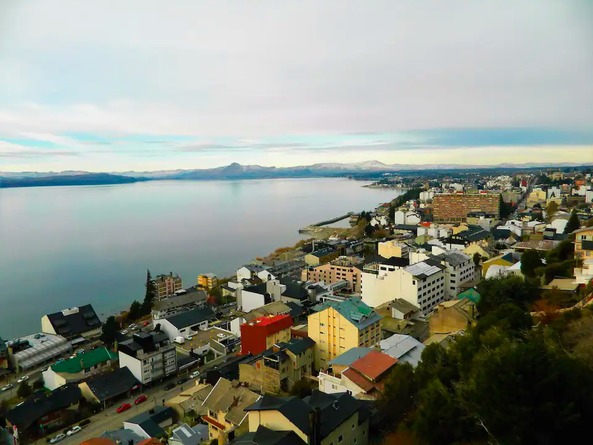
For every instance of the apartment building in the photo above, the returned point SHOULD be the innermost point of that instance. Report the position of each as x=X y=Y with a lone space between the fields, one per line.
x=207 y=281
x=454 y=207
x=393 y=248
x=149 y=356
x=167 y=284
x=336 y=327
x=341 y=269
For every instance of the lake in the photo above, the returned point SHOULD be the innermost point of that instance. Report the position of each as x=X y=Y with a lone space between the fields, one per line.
x=69 y=246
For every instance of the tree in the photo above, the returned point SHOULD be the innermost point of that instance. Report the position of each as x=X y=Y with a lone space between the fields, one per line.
x=399 y=394
x=151 y=294
x=551 y=209
x=505 y=208
x=24 y=390
x=110 y=328
x=477 y=259
x=511 y=289
x=135 y=311
x=530 y=261
x=301 y=388
x=573 y=223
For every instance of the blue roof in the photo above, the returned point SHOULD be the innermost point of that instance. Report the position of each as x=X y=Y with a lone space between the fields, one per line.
x=350 y=356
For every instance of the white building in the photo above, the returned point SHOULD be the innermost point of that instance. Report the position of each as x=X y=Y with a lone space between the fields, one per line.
x=251 y=271
x=149 y=356
x=186 y=323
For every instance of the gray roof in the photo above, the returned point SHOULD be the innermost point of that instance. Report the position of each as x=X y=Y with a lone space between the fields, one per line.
x=404 y=306
x=74 y=321
x=149 y=421
x=350 y=356
x=190 y=318
x=186 y=435
x=404 y=348
x=229 y=398
x=191 y=297
x=112 y=384
x=293 y=408
x=299 y=345
x=454 y=257
x=423 y=269
x=123 y=435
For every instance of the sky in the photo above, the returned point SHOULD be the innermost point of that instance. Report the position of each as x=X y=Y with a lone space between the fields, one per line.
x=154 y=85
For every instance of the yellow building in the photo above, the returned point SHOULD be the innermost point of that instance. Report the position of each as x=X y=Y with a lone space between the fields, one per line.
x=336 y=327
x=501 y=260
x=393 y=248
x=583 y=243
x=207 y=281
x=322 y=419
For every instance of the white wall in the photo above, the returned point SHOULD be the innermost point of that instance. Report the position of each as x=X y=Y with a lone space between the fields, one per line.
x=133 y=364
x=249 y=300
x=52 y=380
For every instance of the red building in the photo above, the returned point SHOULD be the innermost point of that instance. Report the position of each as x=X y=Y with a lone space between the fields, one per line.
x=263 y=332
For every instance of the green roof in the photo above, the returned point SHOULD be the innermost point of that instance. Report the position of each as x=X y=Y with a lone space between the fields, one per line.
x=471 y=294
x=354 y=310
x=86 y=360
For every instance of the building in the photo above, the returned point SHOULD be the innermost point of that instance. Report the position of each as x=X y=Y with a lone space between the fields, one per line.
x=447 y=207
x=43 y=413
x=251 y=271
x=186 y=323
x=151 y=423
x=505 y=259
x=4 y=361
x=363 y=379
x=336 y=327
x=341 y=269
x=453 y=316
x=321 y=256
x=422 y=284
x=460 y=271
x=73 y=322
x=403 y=348
x=149 y=356
x=184 y=299
x=187 y=435
x=393 y=248
x=225 y=410
x=379 y=280
x=36 y=350
x=279 y=367
x=167 y=284
x=190 y=399
x=81 y=367
x=319 y=419
x=207 y=281
x=583 y=249
x=107 y=388
x=266 y=436
x=262 y=333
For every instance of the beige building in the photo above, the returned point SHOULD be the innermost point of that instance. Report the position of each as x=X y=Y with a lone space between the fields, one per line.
x=583 y=250
x=393 y=248
x=207 y=281
x=224 y=410
x=167 y=284
x=336 y=327
x=321 y=419
x=190 y=399
x=453 y=316
x=341 y=269
x=320 y=256
x=280 y=367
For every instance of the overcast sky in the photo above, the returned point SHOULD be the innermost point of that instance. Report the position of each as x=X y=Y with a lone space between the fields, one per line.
x=149 y=85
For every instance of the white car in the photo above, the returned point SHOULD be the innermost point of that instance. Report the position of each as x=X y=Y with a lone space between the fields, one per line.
x=57 y=438
x=73 y=430
x=188 y=337
x=194 y=374
x=124 y=332
x=23 y=378
x=7 y=387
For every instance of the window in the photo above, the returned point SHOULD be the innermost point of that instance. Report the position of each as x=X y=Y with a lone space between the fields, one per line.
x=340 y=438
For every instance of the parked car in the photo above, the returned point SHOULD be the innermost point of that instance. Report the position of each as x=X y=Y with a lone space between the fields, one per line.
x=140 y=399
x=73 y=430
x=188 y=337
x=123 y=407
x=194 y=374
x=169 y=386
x=7 y=387
x=135 y=387
x=124 y=332
x=22 y=378
x=182 y=380
x=84 y=422
x=57 y=438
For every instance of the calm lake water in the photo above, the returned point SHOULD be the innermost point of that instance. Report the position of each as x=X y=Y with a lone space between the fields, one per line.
x=69 y=246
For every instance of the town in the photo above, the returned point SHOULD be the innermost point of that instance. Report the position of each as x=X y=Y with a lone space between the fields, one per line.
x=330 y=341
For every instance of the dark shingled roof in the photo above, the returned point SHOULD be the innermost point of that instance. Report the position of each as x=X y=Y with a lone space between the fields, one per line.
x=395 y=261
x=260 y=288
x=149 y=422
x=74 y=324
x=265 y=436
x=294 y=290
x=295 y=310
x=293 y=408
x=299 y=345
x=39 y=405
x=112 y=384
x=192 y=317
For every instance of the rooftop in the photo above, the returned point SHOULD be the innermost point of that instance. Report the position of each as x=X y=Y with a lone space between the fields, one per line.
x=354 y=310
x=231 y=399
x=350 y=356
x=423 y=269
x=112 y=384
x=189 y=318
x=403 y=306
x=149 y=421
x=74 y=321
x=374 y=364
x=84 y=361
x=174 y=301
x=403 y=348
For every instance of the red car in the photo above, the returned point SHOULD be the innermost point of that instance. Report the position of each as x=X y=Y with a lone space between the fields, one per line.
x=123 y=407
x=140 y=399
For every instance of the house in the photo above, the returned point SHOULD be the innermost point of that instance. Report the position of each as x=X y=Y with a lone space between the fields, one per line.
x=266 y=436
x=186 y=323
x=36 y=350
x=320 y=418
x=400 y=319
x=116 y=437
x=460 y=270
x=228 y=370
x=225 y=410
x=107 y=388
x=181 y=300
x=249 y=271
x=43 y=413
x=404 y=310
x=149 y=356
x=363 y=379
x=167 y=284
x=539 y=245
x=293 y=291
x=72 y=323
x=190 y=399
x=336 y=327
x=151 y=423
x=403 y=348
x=321 y=256
x=279 y=367
x=453 y=316
x=82 y=366
x=255 y=296
x=341 y=269
x=262 y=333
x=186 y=435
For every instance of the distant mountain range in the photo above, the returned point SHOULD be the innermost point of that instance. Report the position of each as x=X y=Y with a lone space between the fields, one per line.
x=238 y=171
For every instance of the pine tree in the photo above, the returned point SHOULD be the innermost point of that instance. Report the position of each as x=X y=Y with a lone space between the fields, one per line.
x=151 y=294
x=573 y=223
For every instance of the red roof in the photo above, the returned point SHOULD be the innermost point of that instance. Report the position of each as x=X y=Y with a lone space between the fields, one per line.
x=373 y=365
x=358 y=380
x=214 y=422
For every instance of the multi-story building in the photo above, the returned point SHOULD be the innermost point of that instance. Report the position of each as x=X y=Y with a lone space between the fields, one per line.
x=583 y=250
x=207 y=281
x=321 y=256
x=72 y=323
x=264 y=332
x=149 y=356
x=318 y=419
x=460 y=270
x=167 y=284
x=422 y=284
x=182 y=300
x=454 y=207
x=341 y=269
x=393 y=248
x=4 y=363
x=336 y=327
